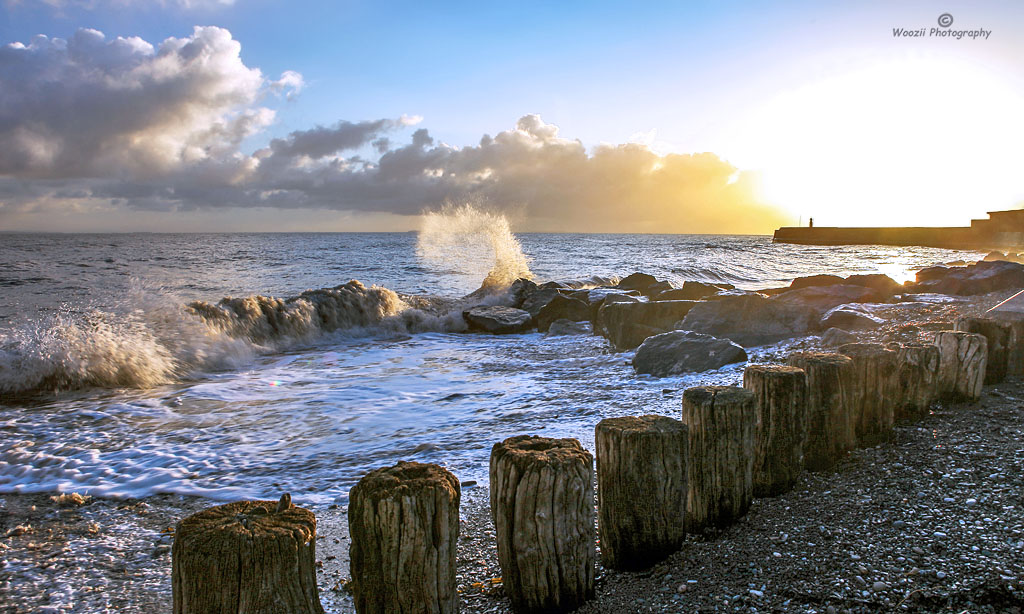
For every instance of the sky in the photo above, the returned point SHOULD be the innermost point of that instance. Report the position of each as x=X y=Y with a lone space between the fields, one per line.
x=716 y=117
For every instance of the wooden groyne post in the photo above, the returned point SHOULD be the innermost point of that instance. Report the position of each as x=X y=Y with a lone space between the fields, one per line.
x=781 y=401
x=962 y=361
x=722 y=423
x=831 y=426
x=404 y=524
x=542 y=505
x=872 y=391
x=917 y=378
x=251 y=557
x=641 y=489
x=999 y=336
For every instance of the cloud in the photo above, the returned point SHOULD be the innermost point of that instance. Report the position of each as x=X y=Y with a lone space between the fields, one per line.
x=124 y=123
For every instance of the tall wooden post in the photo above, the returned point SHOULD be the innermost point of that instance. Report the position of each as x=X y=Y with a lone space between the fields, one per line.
x=781 y=393
x=831 y=428
x=872 y=391
x=404 y=523
x=542 y=505
x=917 y=374
x=641 y=489
x=722 y=422
x=962 y=361
x=247 y=557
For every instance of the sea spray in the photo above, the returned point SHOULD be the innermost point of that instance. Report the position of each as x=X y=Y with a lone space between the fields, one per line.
x=475 y=242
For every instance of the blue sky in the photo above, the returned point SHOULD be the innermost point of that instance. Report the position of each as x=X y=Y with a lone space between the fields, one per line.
x=761 y=85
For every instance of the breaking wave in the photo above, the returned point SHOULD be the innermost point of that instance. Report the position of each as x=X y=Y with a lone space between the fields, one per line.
x=478 y=243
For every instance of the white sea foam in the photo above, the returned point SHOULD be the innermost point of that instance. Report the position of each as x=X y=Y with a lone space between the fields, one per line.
x=477 y=242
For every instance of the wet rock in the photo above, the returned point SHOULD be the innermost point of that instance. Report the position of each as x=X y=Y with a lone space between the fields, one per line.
x=815 y=280
x=564 y=327
x=562 y=308
x=536 y=301
x=498 y=320
x=683 y=351
x=692 y=291
x=626 y=325
x=520 y=290
x=824 y=298
x=978 y=278
x=834 y=337
x=637 y=281
x=750 y=320
x=657 y=288
x=850 y=319
x=881 y=283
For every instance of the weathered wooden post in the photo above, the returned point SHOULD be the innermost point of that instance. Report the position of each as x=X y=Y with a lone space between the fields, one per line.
x=998 y=334
x=962 y=360
x=781 y=393
x=641 y=489
x=722 y=421
x=873 y=391
x=247 y=557
x=404 y=524
x=831 y=428
x=542 y=505
x=917 y=374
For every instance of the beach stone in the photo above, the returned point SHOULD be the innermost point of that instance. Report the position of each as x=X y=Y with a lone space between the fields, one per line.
x=562 y=308
x=626 y=325
x=677 y=352
x=404 y=525
x=637 y=281
x=565 y=327
x=750 y=320
x=850 y=319
x=497 y=319
x=816 y=280
x=824 y=298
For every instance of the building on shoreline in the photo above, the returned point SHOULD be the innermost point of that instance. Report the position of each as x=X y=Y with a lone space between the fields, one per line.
x=1002 y=230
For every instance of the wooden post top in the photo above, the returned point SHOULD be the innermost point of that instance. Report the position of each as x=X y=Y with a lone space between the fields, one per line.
x=648 y=423
x=406 y=478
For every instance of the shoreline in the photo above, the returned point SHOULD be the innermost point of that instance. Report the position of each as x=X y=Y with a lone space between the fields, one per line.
x=828 y=543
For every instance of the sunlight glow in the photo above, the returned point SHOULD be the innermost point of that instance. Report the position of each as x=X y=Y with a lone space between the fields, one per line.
x=917 y=142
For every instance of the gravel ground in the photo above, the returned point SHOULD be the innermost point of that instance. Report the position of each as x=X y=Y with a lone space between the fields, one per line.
x=932 y=521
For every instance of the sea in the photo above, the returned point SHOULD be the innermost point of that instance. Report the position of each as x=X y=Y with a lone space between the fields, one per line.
x=120 y=375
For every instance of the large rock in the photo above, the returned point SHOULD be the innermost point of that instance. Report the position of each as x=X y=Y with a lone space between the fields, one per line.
x=876 y=281
x=850 y=319
x=626 y=325
x=520 y=290
x=751 y=320
x=497 y=319
x=692 y=291
x=561 y=328
x=637 y=281
x=823 y=298
x=596 y=298
x=537 y=300
x=978 y=278
x=683 y=351
x=562 y=308
x=815 y=280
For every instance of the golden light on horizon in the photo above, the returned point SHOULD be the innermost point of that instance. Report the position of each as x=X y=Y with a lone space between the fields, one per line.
x=916 y=142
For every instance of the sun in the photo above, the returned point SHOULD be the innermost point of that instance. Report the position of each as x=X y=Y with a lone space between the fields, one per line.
x=915 y=142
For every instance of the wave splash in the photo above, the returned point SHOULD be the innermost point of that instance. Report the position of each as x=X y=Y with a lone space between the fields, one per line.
x=475 y=242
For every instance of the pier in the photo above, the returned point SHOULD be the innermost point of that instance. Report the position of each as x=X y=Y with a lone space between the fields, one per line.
x=1002 y=230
